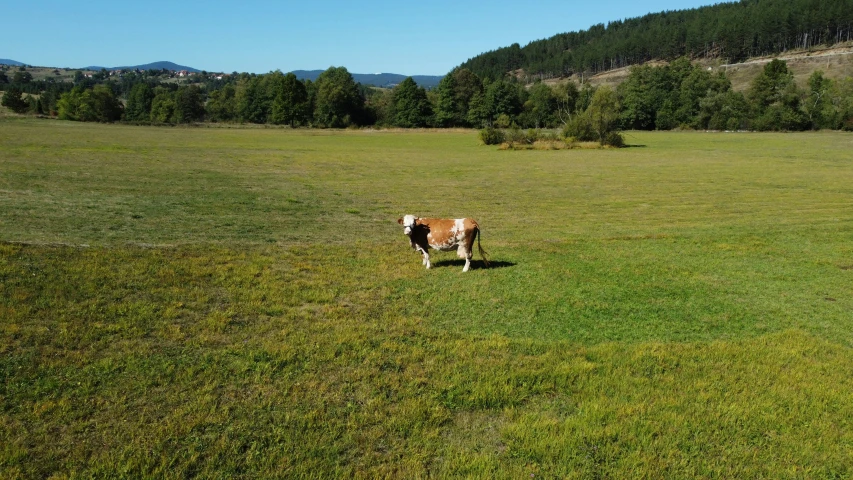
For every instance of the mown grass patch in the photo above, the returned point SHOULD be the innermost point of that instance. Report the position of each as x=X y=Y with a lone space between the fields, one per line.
x=242 y=303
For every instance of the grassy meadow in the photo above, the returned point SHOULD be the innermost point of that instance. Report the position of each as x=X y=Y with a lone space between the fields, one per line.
x=241 y=303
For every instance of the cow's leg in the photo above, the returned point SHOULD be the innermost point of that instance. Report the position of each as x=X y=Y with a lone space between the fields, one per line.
x=467 y=255
x=425 y=259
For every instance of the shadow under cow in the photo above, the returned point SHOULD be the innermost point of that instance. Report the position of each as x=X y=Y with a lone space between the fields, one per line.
x=475 y=264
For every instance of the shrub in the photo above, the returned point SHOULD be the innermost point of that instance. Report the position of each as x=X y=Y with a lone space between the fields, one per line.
x=492 y=136
x=503 y=121
x=614 y=139
x=580 y=128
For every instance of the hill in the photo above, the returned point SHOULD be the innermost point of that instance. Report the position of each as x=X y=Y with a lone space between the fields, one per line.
x=730 y=32
x=377 y=79
x=6 y=61
x=835 y=62
x=148 y=66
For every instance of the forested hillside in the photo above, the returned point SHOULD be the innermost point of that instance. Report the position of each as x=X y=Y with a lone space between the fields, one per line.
x=729 y=31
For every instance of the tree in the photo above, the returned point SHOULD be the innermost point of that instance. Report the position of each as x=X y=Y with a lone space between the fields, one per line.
x=96 y=105
x=103 y=104
x=290 y=103
x=541 y=106
x=768 y=87
x=47 y=101
x=252 y=102
x=3 y=78
x=728 y=110
x=221 y=105
x=478 y=111
x=694 y=87
x=410 y=105
x=467 y=84
x=776 y=100
x=603 y=113
x=14 y=101
x=818 y=102
x=22 y=77
x=502 y=98
x=139 y=103
x=70 y=104
x=379 y=104
x=163 y=106
x=447 y=112
x=642 y=95
x=189 y=105
x=338 y=101
x=567 y=95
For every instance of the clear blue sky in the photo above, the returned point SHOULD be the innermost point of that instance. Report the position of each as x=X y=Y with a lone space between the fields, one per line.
x=410 y=38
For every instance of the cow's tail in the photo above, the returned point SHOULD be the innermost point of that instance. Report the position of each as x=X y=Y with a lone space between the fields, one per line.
x=480 y=247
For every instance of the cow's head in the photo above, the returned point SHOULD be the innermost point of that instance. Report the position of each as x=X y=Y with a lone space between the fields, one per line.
x=408 y=223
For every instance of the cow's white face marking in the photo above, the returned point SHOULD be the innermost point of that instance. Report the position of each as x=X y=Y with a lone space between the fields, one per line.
x=408 y=224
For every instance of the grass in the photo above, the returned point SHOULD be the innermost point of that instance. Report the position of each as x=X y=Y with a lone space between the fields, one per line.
x=242 y=303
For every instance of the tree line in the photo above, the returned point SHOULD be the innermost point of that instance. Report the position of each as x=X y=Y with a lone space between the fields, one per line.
x=732 y=32
x=677 y=95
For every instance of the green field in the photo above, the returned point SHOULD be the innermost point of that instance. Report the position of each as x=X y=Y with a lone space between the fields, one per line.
x=241 y=303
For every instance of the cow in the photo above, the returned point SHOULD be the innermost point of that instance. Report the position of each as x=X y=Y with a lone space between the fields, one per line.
x=443 y=234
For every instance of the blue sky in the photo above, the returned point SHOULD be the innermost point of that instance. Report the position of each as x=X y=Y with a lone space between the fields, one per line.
x=411 y=38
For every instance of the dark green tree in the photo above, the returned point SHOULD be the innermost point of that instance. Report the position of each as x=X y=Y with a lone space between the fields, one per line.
x=410 y=105
x=447 y=112
x=22 y=77
x=253 y=103
x=502 y=98
x=47 y=101
x=769 y=86
x=290 y=102
x=338 y=102
x=642 y=95
x=189 y=104
x=379 y=102
x=467 y=85
x=541 y=106
x=727 y=110
x=14 y=101
x=139 y=103
x=775 y=99
x=103 y=104
x=222 y=105
x=478 y=111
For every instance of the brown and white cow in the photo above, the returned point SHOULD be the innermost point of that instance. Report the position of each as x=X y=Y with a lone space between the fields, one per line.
x=443 y=234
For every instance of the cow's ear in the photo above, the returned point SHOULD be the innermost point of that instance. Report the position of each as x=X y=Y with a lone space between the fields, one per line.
x=400 y=220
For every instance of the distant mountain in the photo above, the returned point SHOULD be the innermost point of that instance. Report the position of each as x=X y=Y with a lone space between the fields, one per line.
x=6 y=61
x=148 y=66
x=376 y=79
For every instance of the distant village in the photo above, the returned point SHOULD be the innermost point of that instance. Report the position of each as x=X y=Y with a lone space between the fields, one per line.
x=172 y=73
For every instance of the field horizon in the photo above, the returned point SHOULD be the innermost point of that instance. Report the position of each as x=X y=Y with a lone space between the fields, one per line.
x=181 y=302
